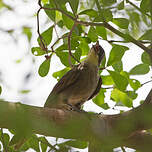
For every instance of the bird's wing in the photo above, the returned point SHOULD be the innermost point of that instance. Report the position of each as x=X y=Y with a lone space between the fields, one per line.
x=96 y=91
x=67 y=80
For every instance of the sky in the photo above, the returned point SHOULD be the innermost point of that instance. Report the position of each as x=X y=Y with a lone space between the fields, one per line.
x=13 y=73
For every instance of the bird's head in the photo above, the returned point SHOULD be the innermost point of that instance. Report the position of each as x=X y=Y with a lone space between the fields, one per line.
x=96 y=54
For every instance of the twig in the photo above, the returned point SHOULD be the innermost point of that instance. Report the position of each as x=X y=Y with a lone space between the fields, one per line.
x=146 y=82
x=107 y=88
x=63 y=12
x=69 y=45
x=38 y=29
x=144 y=42
x=52 y=47
x=140 y=10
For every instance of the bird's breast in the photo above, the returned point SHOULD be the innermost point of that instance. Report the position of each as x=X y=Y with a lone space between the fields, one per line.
x=84 y=86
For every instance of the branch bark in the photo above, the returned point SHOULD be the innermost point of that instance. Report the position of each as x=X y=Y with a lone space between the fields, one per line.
x=108 y=131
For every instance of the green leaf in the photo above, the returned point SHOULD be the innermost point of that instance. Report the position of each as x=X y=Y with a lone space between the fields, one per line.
x=37 y=51
x=0 y=90
x=24 y=91
x=77 y=144
x=99 y=99
x=146 y=58
x=145 y=5
x=67 y=21
x=5 y=139
x=118 y=66
x=108 y=2
x=107 y=80
x=63 y=54
x=101 y=31
x=89 y=12
x=50 y=13
x=147 y=35
x=43 y=144
x=140 y=69
x=46 y=36
x=84 y=47
x=135 y=84
x=92 y=34
x=132 y=94
x=106 y=14
x=44 y=68
x=105 y=106
x=34 y=143
x=119 y=96
x=27 y=32
x=116 y=54
x=74 y=5
x=120 y=81
x=121 y=22
x=120 y=5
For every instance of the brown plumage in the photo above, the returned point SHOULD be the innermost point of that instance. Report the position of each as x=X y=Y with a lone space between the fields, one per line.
x=79 y=84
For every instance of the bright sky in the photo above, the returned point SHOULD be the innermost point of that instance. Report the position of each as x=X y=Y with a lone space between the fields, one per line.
x=13 y=74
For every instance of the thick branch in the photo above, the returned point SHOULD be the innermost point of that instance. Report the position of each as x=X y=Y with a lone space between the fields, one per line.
x=75 y=125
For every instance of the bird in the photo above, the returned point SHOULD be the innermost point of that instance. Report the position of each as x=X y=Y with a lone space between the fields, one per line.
x=80 y=84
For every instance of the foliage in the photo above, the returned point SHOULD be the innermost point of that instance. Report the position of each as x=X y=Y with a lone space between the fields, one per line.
x=62 y=16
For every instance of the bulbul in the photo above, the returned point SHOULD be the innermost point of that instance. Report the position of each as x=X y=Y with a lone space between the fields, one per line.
x=79 y=84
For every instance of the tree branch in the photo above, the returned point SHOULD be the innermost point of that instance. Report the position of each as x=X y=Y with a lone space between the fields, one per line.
x=74 y=125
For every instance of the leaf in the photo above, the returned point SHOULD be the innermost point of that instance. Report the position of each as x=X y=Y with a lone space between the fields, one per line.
x=24 y=91
x=92 y=34
x=89 y=12
x=135 y=84
x=37 y=51
x=99 y=99
x=140 y=69
x=121 y=22
x=108 y=2
x=107 y=80
x=119 y=96
x=105 y=106
x=121 y=5
x=120 y=81
x=77 y=144
x=84 y=47
x=46 y=36
x=44 y=68
x=63 y=54
x=74 y=5
x=67 y=21
x=145 y=5
x=116 y=54
x=147 y=35
x=0 y=90
x=118 y=66
x=43 y=143
x=105 y=14
x=59 y=74
x=101 y=31
x=50 y=13
x=34 y=143
x=146 y=58
x=27 y=32
x=132 y=94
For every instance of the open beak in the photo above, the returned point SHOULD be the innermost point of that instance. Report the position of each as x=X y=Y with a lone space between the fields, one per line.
x=99 y=50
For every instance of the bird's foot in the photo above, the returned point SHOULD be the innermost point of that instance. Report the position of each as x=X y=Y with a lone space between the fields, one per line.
x=74 y=108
